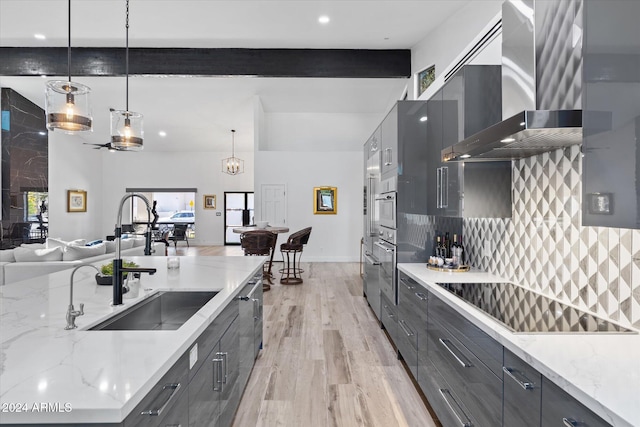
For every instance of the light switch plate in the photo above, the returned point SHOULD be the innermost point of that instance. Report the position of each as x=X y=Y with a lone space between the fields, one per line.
x=193 y=356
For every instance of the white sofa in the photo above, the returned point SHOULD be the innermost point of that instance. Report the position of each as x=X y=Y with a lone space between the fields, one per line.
x=30 y=261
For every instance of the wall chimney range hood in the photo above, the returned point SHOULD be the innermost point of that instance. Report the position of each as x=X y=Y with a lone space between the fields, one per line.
x=541 y=84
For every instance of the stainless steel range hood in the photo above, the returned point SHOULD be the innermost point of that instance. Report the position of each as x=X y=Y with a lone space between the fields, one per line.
x=541 y=84
x=525 y=134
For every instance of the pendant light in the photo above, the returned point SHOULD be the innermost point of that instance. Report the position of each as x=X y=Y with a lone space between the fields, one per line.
x=126 y=126
x=233 y=165
x=67 y=104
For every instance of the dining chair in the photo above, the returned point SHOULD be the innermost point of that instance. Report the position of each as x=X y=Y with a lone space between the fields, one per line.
x=260 y=243
x=291 y=254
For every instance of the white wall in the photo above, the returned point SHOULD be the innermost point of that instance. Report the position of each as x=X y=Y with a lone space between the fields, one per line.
x=443 y=45
x=201 y=170
x=334 y=238
x=73 y=166
x=324 y=131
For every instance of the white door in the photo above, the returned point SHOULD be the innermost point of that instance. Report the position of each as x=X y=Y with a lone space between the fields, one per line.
x=273 y=204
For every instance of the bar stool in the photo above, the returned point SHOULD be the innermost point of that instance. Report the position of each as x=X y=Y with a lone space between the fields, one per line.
x=261 y=243
x=292 y=250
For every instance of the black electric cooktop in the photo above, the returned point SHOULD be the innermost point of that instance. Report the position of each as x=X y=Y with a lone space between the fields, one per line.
x=522 y=310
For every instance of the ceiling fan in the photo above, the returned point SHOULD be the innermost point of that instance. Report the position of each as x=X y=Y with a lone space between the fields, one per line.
x=109 y=146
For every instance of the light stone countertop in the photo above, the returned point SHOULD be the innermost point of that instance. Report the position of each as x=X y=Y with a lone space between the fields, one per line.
x=99 y=375
x=601 y=370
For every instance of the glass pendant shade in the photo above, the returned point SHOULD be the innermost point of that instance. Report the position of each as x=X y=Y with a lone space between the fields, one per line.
x=68 y=106
x=127 y=133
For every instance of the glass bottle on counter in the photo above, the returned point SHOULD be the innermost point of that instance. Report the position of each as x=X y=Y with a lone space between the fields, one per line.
x=455 y=250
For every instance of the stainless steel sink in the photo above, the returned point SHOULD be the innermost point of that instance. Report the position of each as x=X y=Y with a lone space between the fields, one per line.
x=164 y=311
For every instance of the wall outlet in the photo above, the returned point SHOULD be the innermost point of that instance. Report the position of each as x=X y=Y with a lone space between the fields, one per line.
x=193 y=356
x=487 y=249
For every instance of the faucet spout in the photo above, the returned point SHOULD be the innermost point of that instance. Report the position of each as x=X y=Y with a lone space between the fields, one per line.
x=118 y=269
x=72 y=313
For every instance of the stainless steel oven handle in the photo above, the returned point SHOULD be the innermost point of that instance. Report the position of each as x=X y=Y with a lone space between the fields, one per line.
x=523 y=381
x=451 y=401
x=383 y=247
x=445 y=343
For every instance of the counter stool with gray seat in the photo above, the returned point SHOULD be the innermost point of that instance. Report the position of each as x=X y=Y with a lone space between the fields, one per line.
x=291 y=254
x=261 y=243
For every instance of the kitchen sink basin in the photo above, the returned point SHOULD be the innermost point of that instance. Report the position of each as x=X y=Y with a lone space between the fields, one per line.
x=164 y=311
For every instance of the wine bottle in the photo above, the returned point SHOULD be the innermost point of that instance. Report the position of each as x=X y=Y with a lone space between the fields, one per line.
x=455 y=250
x=438 y=248
x=461 y=254
x=447 y=245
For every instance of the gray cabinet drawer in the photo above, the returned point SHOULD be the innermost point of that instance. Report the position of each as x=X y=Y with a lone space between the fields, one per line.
x=444 y=400
x=389 y=318
x=412 y=318
x=522 y=397
x=559 y=409
x=475 y=386
x=163 y=398
x=485 y=348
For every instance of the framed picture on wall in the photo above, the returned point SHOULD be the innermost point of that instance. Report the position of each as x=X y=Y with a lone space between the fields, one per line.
x=325 y=200
x=209 y=201
x=425 y=78
x=76 y=201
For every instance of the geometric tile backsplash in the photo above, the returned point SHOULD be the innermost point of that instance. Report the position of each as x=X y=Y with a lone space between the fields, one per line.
x=544 y=246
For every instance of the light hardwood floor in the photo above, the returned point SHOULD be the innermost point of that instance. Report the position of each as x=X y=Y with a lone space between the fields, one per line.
x=325 y=361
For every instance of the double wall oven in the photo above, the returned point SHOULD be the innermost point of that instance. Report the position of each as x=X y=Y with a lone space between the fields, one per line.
x=385 y=245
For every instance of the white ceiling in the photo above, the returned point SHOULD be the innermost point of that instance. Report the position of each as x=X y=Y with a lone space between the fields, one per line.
x=198 y=113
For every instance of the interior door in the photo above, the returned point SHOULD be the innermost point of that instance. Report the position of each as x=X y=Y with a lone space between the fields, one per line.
x=273 y=205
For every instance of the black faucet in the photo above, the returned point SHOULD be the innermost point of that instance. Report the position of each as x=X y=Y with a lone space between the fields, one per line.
x=118 y=269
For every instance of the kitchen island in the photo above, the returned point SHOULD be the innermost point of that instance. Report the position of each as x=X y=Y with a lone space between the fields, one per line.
x=601 y=370
x=52 y=375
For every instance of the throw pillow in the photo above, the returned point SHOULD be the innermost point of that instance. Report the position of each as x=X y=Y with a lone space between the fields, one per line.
x=56 y=242
x=110 y=245
x=73 y=253
x=126 y=244
x=138 y=241
x=7 y=256
x=30 y=255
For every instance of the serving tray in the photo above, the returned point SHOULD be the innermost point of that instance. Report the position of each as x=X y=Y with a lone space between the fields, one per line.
x=459 y=269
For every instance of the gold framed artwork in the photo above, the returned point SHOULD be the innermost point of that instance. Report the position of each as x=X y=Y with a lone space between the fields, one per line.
x=209 y=201
x=76 y=201
x=325 y=200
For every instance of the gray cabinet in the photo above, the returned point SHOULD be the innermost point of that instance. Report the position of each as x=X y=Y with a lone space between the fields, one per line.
x=250 y=326
x=456 y=348
x=611 y=85
x=560 y=409
x=213 y=386
x=412 y=320
x=389 y=144
x=469 y=102
x=166 y=403
x=389 y=318
x=522 y=392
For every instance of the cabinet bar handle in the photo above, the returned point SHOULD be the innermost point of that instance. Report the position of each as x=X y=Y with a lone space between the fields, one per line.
x=405 y=328
x=444 y=393
x=223 y=369
x=174 y=387
x=422 y=296
x=446 y=343
x=388 y=157
x=406 y=285
x=389 y=313
x=570 y=422
x=217 y=364
x=514 y=373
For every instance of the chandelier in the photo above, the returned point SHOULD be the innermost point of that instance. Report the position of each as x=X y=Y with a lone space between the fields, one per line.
x=126 y=126
x=67 y=104
x=233 y=165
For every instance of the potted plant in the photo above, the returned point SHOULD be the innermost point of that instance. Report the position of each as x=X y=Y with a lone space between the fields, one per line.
x=105 y=277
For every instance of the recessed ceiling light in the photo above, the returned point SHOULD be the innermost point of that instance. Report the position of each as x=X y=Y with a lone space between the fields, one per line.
x=40 y=36
x=42 y=133
x=162 y=133
x=324 y=19
x=465 y=156
x=508 y=140
x=423 y=118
